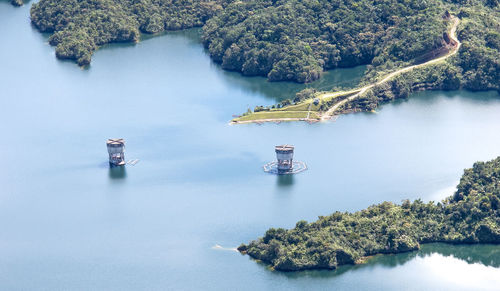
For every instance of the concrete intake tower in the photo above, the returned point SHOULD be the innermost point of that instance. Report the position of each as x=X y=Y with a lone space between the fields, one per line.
x=284 y=163
x=284 y=155
x=116 y=151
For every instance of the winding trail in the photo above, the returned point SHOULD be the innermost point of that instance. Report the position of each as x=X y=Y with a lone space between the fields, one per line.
x=453 y=35
x=331 y=111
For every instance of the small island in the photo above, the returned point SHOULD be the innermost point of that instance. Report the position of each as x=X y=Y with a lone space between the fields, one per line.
x=470 y=216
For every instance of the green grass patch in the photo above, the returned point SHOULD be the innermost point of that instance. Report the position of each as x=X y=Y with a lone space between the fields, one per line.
x=299 y=110
x=302 y=106
x=275 y=115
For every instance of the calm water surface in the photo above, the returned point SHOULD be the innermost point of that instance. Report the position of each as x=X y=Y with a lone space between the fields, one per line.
x=68 y=222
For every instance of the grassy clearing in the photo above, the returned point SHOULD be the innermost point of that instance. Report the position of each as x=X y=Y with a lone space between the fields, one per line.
x=275 y=115
x=302 y=106
x=331 y=95
x=299 y=110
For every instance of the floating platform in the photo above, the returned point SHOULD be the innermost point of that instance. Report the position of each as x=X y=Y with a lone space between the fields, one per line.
x=297 y=167
x=117 y=164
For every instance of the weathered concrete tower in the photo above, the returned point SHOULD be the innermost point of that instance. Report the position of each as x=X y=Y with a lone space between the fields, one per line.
x=285 y=164
x=284 y=155
x=116 y=149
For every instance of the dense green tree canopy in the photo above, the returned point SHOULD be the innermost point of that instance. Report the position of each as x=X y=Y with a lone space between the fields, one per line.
x=471 y=215
x=80 y=26
x=297 y=39
x=292 y=39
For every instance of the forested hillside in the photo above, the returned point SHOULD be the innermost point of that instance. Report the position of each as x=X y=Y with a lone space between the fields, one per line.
x=479 y=57
x=294 y=40
x=475 y=67
x=471 y=215
x=81 y=26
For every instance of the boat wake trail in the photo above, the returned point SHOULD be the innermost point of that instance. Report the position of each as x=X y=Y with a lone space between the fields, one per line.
x=221 y=248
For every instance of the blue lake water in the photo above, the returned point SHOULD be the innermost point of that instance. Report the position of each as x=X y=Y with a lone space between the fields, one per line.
x=67 y=222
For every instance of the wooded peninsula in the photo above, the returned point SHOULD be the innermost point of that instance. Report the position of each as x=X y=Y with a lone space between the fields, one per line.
x=471 y=215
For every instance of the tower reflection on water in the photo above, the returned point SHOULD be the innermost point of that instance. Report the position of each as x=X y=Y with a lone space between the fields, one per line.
x=116 y=173
x=285 y=180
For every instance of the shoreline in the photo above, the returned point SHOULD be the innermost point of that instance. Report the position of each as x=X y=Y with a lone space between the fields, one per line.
x=469 y=216
x=358 y=92
x=364 y=259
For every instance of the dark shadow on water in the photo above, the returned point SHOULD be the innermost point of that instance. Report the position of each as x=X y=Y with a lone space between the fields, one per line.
x=115 y=45
x=432 y=97
x=285 y=180
x=192 y=35
x=278 y=91
x=487 y=255
x=117 y=173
